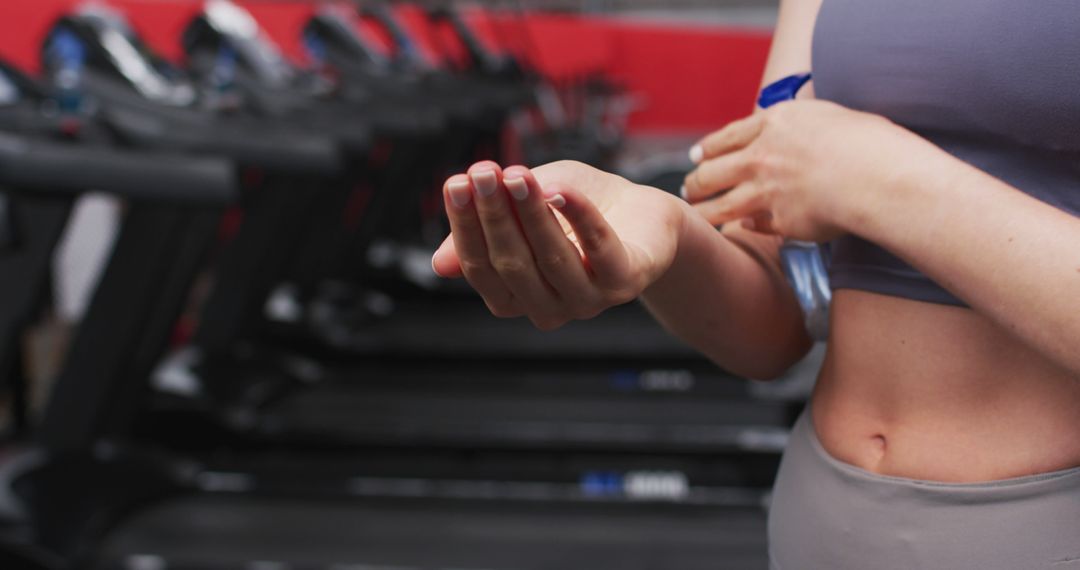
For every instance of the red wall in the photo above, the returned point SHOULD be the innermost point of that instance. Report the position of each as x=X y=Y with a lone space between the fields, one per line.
x=23 y=26
x=690 y=78
x=160 y=22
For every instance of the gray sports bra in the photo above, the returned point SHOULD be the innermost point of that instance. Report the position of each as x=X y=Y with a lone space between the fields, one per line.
x=995 y=83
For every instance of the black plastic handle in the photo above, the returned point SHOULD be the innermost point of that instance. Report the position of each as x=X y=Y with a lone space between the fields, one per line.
x=151 y=125
x=35 y=165
x=292 y=152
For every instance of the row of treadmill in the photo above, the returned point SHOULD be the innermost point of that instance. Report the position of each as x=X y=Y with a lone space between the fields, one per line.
x=269 y=376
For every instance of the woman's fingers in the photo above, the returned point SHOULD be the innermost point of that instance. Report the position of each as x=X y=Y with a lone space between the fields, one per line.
x=515 y=251
x=445 y=262
x=471 y=247
x=734 y=136
x=508 y=251
x=604 y=252
x=717 y=174
x=556 y=257
x=744 y=201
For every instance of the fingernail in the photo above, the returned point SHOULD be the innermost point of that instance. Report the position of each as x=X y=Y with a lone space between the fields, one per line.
x=433 y=270
x=459 y=193
x=557 y=201
x=682 y=191
x=517 y=187
x=696 y=153
x=485 y=182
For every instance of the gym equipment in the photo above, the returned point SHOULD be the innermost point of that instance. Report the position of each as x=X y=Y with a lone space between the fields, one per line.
x=608 y=444
x=42 y=171
x=235 y=532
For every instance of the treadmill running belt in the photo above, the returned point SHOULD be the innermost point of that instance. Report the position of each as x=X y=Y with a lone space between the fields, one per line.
x=337 y=411
x=208 y=532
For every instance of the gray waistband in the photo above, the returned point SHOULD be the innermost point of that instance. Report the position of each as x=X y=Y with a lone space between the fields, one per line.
x=1049 y=482
x=829 y=514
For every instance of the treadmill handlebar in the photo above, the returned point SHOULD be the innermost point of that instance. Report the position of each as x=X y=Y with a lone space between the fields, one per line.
x=291 y=152
x=52 y=167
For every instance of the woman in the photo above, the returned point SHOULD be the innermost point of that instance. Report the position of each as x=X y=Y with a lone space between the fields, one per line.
x=942 y=159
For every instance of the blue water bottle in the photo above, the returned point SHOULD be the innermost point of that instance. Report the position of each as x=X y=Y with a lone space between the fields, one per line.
x=803 y=261
x=68 y=57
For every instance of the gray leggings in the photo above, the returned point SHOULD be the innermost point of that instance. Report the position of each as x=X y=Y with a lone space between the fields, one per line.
x=827 y=514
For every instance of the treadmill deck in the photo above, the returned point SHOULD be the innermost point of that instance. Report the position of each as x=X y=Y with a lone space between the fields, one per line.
x=222 y=531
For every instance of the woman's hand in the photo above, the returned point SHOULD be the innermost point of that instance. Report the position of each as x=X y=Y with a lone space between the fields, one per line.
x=561 y=242
x=795 y=169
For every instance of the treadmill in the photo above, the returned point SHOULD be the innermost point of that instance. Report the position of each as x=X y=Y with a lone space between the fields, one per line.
x=52 y=150
x=210 y=533
x=413 y=134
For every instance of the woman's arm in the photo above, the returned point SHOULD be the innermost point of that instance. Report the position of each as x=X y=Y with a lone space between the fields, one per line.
x=1009 y=256
x=816 y=170
x=613 y=241
x=792 y=40
x=726 y=296
x=742 y=314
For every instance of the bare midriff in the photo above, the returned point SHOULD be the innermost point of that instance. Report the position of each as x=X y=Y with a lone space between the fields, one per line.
x=940 y=393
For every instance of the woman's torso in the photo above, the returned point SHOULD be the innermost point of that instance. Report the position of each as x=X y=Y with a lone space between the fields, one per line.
x=940 y=393
x=913 y=384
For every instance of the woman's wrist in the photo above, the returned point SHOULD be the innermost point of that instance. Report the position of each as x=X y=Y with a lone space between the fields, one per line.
x=690 y=230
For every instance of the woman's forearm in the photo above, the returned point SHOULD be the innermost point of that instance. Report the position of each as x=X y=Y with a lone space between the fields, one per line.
x=726 y=296
x=1009 y=256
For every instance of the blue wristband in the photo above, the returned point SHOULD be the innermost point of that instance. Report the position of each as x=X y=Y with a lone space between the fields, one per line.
x=782 y=90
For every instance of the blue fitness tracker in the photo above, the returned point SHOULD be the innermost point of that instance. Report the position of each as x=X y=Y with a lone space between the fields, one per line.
x=803 y=262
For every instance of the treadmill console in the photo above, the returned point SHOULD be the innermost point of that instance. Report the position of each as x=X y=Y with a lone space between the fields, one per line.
x=229 y=29
x=332 y=29
x=109 y=45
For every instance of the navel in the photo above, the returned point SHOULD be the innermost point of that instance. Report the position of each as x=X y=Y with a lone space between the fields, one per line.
x=878 y=445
